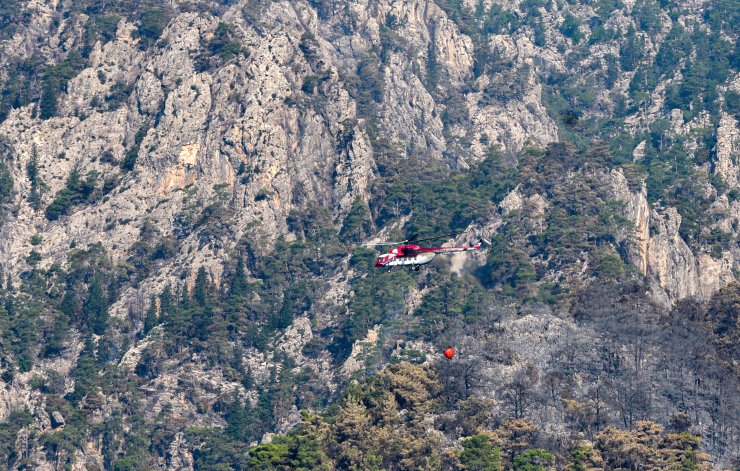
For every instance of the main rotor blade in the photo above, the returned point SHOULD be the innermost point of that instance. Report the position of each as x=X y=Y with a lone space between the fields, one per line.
x=438 y=237
x=374 y=244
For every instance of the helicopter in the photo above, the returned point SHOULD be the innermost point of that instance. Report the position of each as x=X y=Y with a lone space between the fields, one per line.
x=408 y=254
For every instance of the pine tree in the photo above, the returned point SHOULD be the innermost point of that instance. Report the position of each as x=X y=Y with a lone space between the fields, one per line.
x=240 y=420
x=95 y=310
x=166 y=305
x=358 y=223
x=34 y=198
x=248 y=381
x=85 y=372
x=202 y=321
x=48 y=103
x=236 y=359
x=32 y=167
x=150 y=321
x=479 y=452
x=200 y=290
x=9 y=306
x=106 y=351
x=22 y=332
x=239 y=284
x=237 y=291
x=69 y=306
x=57 y=337
x=534 y=460
x=632 y=50
x=6 y=183
x=202 y=315
x=184 y=299
x=32 y=172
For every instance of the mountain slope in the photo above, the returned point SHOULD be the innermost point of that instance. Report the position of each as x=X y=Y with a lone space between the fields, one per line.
x=181 y=186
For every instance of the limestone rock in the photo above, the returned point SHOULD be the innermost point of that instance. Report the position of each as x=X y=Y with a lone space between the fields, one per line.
x=295 y=337
x=654 y=246
x=728 y=150
x=408 y=107
x=57 y=420
x=361 y=347
x=513 y=201
x=252 y=135
x=669 y=259
x=180 y=456
x=637 y=212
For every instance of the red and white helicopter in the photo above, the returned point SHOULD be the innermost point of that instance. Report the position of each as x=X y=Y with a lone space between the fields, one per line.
x=406 y=254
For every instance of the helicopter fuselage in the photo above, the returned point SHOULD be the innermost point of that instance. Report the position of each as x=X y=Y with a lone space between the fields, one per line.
x=414 y=255
x=392 y=260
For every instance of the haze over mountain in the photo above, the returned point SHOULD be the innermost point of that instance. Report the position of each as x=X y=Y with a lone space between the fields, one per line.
x=184 y=186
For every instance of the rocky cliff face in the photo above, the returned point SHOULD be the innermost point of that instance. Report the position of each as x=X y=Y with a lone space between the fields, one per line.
x=235 y=117
x=655 y=247
x=249 y=127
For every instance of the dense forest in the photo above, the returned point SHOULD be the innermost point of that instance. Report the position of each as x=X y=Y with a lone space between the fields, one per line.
x=278 y=346
x=644 y=361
